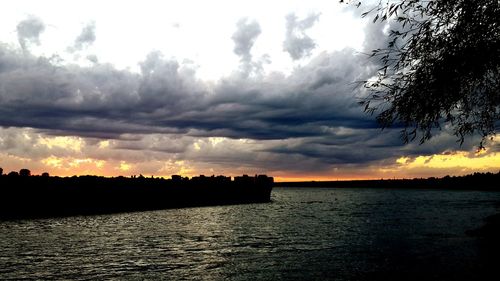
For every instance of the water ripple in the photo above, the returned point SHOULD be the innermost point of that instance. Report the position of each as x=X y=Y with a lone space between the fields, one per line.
x=337 y=234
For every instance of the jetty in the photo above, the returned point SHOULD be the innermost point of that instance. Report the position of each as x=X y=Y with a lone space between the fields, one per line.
x=26 y=196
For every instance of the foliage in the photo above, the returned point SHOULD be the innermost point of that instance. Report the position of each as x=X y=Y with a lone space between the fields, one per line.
x=441 y=67
x=24 y=172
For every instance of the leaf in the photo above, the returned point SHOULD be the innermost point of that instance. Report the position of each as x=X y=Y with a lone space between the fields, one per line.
x=440 y=67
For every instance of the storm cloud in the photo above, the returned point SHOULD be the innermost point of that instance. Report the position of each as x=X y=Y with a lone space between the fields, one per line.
x=167 y=97
x=308 y=120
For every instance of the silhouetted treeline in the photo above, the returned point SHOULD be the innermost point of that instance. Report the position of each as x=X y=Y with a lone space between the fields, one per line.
x=22 y=195
x=476 y=181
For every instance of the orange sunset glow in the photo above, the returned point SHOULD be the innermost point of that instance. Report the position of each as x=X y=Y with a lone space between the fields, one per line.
x=70 y=155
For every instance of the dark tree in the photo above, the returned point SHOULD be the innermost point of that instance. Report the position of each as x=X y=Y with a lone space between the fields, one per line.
x=45 y=174
x=440 y=67
x=1 y=171
x=24 y=173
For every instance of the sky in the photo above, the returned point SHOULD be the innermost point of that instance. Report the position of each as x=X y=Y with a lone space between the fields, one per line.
x=204 y=87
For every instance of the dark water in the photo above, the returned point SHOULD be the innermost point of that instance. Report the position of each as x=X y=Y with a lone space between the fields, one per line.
x=305 y=234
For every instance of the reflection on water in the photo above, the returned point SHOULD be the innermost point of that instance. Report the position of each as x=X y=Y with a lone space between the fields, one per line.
x=340 y=234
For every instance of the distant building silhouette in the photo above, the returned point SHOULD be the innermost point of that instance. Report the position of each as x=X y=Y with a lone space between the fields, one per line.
x=39 y=196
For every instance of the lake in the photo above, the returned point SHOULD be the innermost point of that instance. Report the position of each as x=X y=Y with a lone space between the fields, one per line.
x=304 y=234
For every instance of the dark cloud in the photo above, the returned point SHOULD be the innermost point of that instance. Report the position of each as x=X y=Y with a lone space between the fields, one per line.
x=308 y=120
x=29 y=30
x=167 y=97
x=297 y=43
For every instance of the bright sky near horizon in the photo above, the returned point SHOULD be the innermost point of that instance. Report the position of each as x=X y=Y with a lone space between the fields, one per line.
x=203 y=87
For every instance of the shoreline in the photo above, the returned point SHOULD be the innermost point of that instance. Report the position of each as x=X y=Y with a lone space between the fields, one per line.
x=476 y=181
x=37 y=196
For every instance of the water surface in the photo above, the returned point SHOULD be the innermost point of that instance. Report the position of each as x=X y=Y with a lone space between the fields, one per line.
x=304 y=234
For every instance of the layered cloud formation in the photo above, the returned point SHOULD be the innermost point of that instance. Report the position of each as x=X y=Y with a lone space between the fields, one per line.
x=60 y=116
